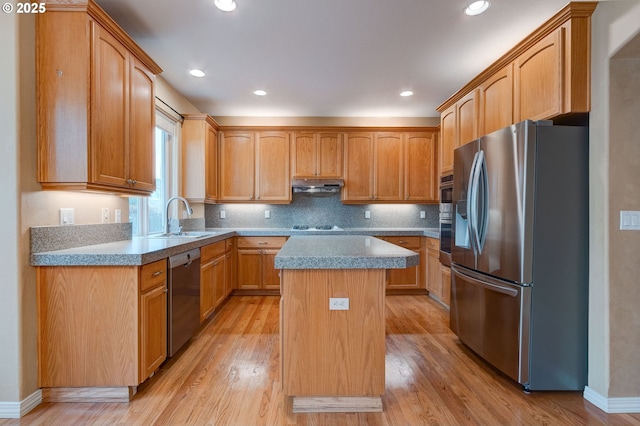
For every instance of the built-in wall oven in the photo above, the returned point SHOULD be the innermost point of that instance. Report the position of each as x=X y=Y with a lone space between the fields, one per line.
x=446 y=215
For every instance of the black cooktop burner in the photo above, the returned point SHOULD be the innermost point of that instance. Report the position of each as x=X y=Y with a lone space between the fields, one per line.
x=300 y=227
x=325 y=227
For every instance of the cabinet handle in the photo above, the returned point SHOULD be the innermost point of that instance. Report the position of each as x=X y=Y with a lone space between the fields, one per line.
x=402 y=242
x=263 y=242
x=156 y=273
x=130 y=182
x=135 y=182
x=166 y=290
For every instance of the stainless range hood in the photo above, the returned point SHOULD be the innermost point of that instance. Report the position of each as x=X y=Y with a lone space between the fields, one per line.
x=317 y=187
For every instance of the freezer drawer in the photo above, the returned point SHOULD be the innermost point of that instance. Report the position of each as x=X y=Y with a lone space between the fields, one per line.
x=491 y=317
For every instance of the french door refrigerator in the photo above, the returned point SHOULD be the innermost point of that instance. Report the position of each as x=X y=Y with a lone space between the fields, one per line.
x=519 y=289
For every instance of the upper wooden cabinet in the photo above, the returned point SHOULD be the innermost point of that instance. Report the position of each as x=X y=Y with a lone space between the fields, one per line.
x=459 y=125
x=316 y=154
x=200 y=158
x=95 y=103
x=390 y=167
x=496 y=101
x=545 y=76
x=254 y=166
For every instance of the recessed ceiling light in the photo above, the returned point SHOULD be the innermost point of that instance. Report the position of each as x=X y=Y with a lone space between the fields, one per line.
x=477 y=7
x=197 y=73
x=260 y=92
x=225 y=5
x=406 y=93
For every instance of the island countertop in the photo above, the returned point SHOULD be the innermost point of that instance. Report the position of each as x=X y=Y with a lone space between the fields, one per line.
x=343 y=252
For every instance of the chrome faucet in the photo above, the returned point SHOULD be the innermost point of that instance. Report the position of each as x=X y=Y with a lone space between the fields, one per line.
x=187 y=206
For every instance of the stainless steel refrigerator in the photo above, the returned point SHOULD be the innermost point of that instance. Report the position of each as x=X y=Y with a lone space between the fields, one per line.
x=519 y=286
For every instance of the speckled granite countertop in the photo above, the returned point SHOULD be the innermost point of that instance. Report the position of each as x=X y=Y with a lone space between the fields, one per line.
x=142 y=250
x=343 y=252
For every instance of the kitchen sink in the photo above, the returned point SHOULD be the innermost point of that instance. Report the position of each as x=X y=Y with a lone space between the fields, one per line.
x=185 y=235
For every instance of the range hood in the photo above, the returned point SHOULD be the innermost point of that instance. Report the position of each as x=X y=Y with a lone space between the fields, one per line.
x=316 y=186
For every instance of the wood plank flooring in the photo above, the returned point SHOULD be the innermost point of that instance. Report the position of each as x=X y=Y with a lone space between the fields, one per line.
x=229 y=375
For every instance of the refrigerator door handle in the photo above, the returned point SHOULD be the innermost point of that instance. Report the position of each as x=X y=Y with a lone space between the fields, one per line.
x=470 y=200
x=491 y=286
x=481 y=215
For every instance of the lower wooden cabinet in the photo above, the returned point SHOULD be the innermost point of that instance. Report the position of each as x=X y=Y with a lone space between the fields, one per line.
x=445 y=274
x=412 y=278
x=256 y=256
x=217 y=275
x=434 y=277
x=100 y=326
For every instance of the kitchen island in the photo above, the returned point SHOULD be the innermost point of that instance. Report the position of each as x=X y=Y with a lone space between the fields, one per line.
x=332 y=322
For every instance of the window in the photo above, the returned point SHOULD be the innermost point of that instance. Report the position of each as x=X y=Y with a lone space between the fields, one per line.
x=147 y=214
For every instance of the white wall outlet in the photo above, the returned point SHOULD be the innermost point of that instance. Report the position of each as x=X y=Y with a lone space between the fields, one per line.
x=367 y=214
x=267 y=214
x=105 y=215
x=66 y=216
x=423 y=214
x=223 y=214
x=629 y=220
x=118 y=216
x=338 y=303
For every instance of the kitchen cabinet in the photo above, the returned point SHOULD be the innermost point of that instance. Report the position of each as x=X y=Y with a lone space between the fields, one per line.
x=445 y=295
x=434 y=274
x=411 y=278
x=127 y=304
x=496 y=101
x=254 y=167
x=317 y=154
x=255 y=258
x=95 y=103
x=389 y=167
x=539 y=76
x=230 y=266
x=545 y=76
x=199 y=158
x=212 y=278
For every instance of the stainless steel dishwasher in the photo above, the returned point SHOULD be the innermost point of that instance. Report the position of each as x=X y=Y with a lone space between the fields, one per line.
x=183 y=306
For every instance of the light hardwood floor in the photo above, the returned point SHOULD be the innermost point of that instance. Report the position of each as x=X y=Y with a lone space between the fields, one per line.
x=229 y=375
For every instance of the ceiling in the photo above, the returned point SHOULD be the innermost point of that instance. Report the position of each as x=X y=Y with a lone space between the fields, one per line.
x=325 y=58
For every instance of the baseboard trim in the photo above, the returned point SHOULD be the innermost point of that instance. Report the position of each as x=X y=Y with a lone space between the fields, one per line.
x=626 y=405
x=16 y=410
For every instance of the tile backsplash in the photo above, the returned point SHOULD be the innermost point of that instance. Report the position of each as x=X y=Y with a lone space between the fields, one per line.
x=313 y=211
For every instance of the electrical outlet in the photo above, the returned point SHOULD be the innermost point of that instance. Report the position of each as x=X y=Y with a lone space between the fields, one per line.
x=423 y=214
x=338 y=303
x=629 y=220
x=267 y=214
x=367 y=214
x=118 y=216
x=105 y=215
x=66 y=216
x=223 y=214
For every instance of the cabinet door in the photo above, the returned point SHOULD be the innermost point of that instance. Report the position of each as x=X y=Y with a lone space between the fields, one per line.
x=211 y=164
x=153 y=330
x=141 y=127
x=408 y=278
x=249 y=269
x=445 y=274
x=358 y=173
x=496 y=101
x=388 y=167
x=467 y=127
x=110 y=105
x=434 y=278
x=304 y=155
x=219 y=284
x=539 y=79
x=421 y=179
x=273 y=153
x=329 y=155
x=237 y=166
x=207 y=291
x=270 y=275
x=229 y=272
x=448 y=123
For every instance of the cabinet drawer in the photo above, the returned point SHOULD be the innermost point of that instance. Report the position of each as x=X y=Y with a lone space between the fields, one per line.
x=433 y=244
x=261 y=242
x=406 y=242
x=153 y=274
x=230 y=244
x=210 y=251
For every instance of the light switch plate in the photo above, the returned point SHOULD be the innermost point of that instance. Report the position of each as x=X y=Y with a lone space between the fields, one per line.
x=105 y=215
x=367 y=214
x=423 y=214
x=223 y=214
x=118 y=216
x=629 y=220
